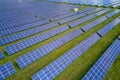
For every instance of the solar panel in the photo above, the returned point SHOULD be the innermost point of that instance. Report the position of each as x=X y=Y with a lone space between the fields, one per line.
x=26 y=33
x=109 y=15
x=63 y=16
x=58 y=65
x=6 y=70
x=16 y=20
x=1 y=55
x=85 y=10
x=94 y=10
x=94 y=23
x=102 y=12
x=12 y=49
x=36 y=54
x=79 y=21
x=100 y=68
x=71 y=18
x=23 y=27
x=109 y=27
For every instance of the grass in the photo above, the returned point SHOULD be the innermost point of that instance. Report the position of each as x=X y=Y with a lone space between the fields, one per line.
x=80 y=66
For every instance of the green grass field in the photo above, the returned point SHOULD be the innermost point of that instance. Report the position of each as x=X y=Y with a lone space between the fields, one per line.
x=79 y=67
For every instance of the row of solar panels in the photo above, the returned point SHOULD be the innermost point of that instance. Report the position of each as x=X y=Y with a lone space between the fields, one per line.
x=102 y=65
x=49 y=72
x=30 y=57
x=26 y=59
x=12 y=49
x=31 y=25
x=97 y=72
x=38 y=9
x=113 y=3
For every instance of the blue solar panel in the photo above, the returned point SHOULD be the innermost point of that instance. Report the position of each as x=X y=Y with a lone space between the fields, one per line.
x=102 y=12
x=63 y=16
x=6 y=70
x=71 y=18
x=94 y=10
x=25 y=33
x=16 y=20
x=12 y=49
x=57 y=66
x=109 y=27
x=85 y=10
x=36 y=54
x=100 y=68
x=94 y=23
x=79 y=21
x=23 y=27
x=113 y=13
x=1 y=55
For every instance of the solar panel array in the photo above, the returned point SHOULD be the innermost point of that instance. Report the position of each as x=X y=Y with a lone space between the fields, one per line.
x=102 y=12
x=1 y=55
x=109 y=27
x=23 y=27
x=25 y=33
x=80 y=21
x=100 y=68
x=113 y=3
x=6 y=70
x=113 y=13
x=12 y=49
x=43 y=27
x=94 y=23
x=58 y=65
x=36 y=54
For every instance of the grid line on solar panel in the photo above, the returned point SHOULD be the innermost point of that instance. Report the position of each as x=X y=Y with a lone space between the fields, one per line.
x=45 y=49
x=12 y=49
x=58 y=65
x=6 y=70
x=109 y=27
x=26 y=33
x=94 y=23
x=100 y=68
x=1 y=55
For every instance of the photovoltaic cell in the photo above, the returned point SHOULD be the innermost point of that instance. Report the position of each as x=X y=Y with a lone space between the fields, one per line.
x=109 y=27
x=6 y=70
x=60 y=64
x=36 y=54
x=101 y=67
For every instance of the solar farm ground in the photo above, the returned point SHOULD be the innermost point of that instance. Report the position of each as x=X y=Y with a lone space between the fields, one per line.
x=79 y=67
